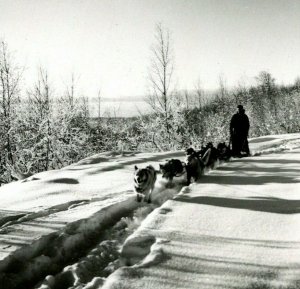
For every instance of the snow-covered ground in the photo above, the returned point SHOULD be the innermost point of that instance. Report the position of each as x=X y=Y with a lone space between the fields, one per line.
x=237 y=227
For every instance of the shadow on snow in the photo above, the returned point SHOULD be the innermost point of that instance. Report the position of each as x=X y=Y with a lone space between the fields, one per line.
x=270 y=205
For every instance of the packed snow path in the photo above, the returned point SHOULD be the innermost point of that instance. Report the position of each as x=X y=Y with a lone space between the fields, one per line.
x=239 y=227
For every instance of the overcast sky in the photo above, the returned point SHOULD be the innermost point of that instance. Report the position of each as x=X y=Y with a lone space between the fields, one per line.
x=107 y=42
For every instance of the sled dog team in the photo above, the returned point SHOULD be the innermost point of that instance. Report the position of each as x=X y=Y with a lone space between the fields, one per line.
x=194 y=165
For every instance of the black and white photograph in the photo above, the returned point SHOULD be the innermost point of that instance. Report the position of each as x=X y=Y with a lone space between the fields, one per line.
x=149 y=144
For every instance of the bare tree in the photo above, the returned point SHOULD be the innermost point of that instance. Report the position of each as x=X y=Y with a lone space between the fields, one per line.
x=160 y=76
x=70 y=91
x=199 y=94
x=267 y=86
x=222 y=87
x=41 y=93
x=10 y=77
x=187 y=99
x=40 y=101
x=99 y=98
x=266 y=83
x=240 y=93
x=85 y=107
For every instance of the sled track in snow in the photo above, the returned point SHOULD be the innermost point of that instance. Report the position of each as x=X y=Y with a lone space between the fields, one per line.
x=20 y=218
x=78 y=252
x=103 y=258
x=49 y=254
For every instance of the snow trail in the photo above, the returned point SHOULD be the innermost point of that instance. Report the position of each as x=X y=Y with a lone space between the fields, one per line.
x=64 y=228
x=238 y=227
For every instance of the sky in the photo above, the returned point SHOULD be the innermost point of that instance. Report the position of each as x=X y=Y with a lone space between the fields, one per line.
x=106 y=43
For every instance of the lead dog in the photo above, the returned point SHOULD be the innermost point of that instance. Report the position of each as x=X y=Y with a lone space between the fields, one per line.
x=144 y=181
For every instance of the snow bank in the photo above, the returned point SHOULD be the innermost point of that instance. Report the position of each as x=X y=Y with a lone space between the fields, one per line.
x=274 y=143
x=31 y=262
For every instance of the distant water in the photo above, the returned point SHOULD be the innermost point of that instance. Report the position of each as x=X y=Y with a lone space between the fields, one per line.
x=125 y=108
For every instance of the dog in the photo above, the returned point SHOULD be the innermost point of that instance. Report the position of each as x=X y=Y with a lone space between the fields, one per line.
x=224 y=151
x=144 y=181
x=195 y=164
x=191 y=151
x=213 y=157
x=172 y=168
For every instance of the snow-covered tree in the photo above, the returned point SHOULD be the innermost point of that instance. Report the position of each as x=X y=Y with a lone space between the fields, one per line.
x=161 y=78
x=10 y=78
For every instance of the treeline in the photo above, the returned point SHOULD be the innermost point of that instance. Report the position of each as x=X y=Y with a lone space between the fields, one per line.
x=42 y=129
x=194 y=120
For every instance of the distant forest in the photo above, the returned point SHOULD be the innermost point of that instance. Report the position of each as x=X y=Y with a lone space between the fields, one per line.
x=43 y=129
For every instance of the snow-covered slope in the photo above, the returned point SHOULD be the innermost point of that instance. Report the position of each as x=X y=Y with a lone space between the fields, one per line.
x=45 y=218
x=59 y=228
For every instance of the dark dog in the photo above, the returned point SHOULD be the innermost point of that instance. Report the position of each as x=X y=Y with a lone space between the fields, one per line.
x=224 y=152
x=195 y=164
x=213 y=158
x=191 y=151
x=144 y=181
x=172 y=168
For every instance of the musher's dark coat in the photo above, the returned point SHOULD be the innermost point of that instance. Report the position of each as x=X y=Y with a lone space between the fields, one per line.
x=239 y=128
